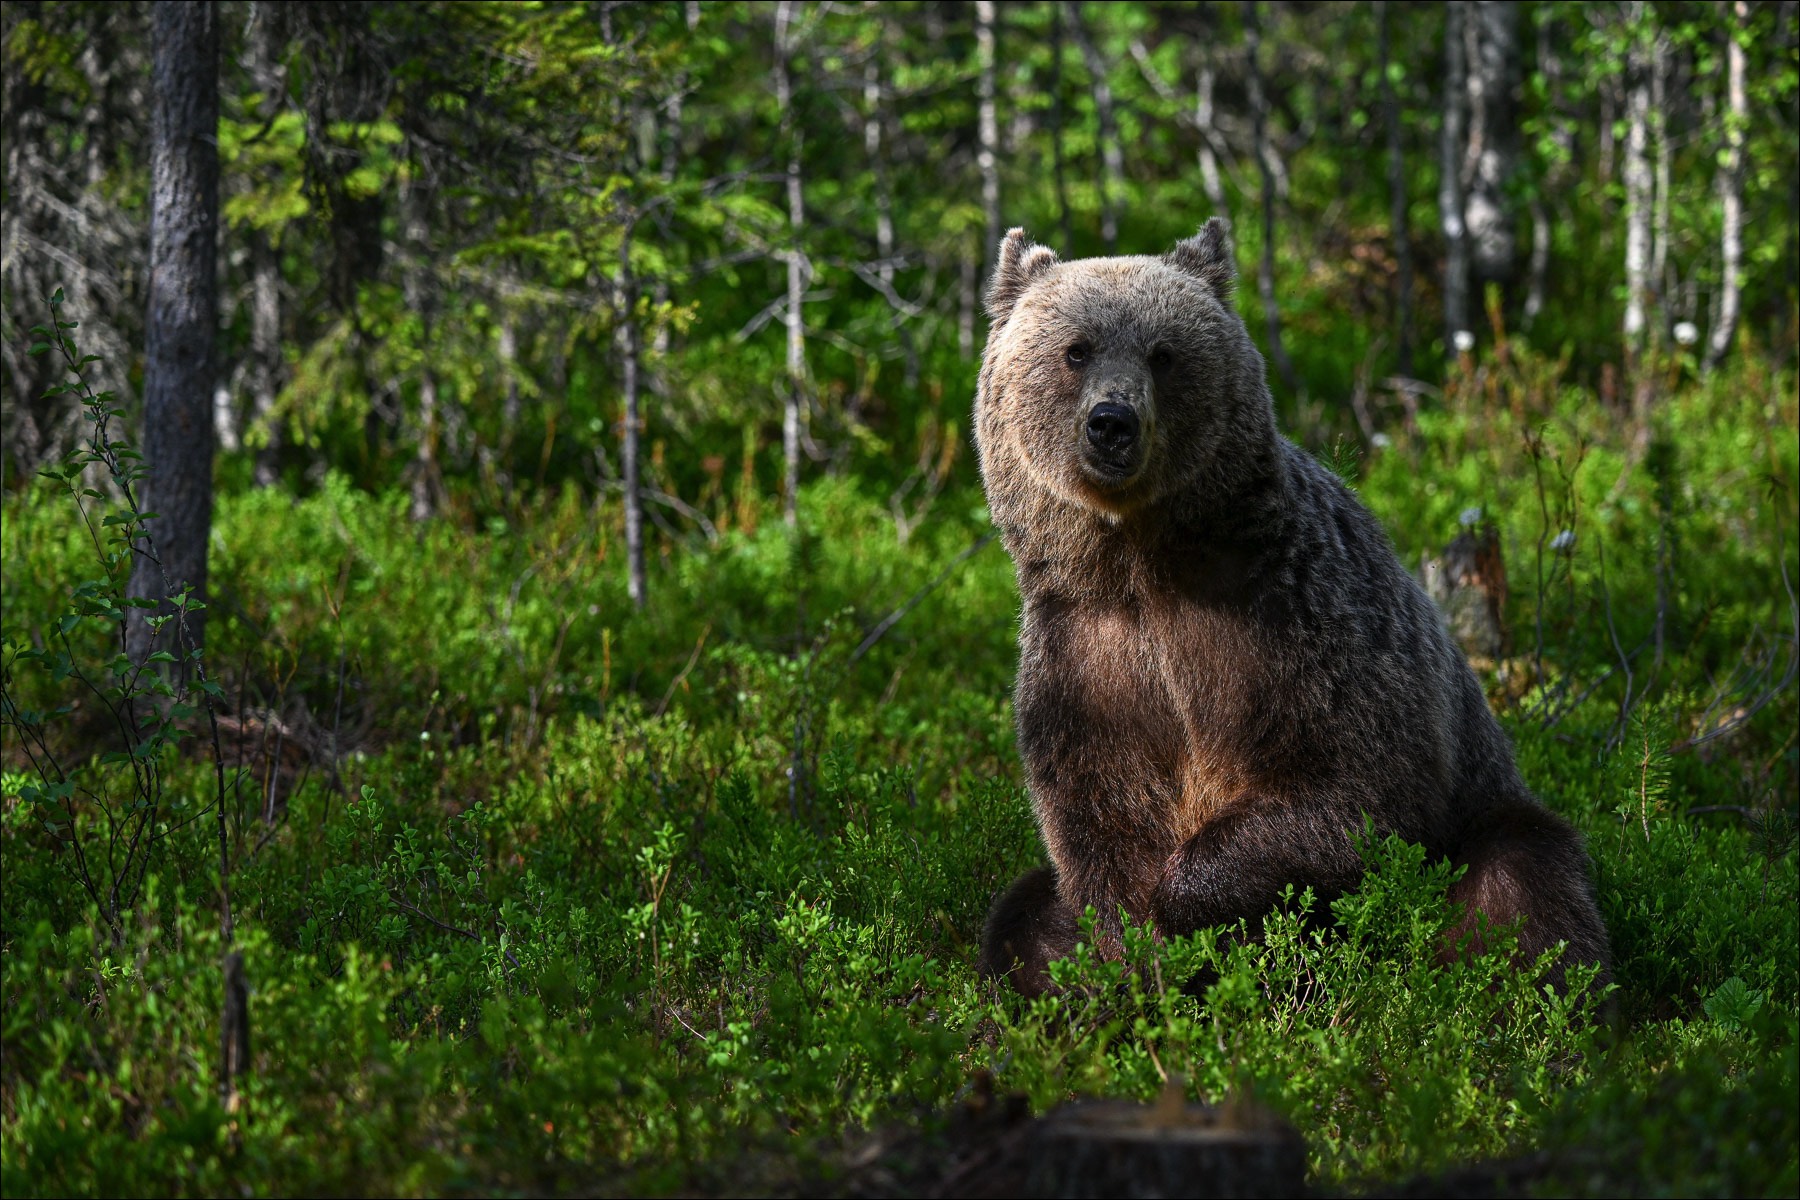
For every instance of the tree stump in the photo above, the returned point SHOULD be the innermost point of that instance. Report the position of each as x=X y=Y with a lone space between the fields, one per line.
x=1468 y=585
x=1113 y=1148
x=1120 y=1148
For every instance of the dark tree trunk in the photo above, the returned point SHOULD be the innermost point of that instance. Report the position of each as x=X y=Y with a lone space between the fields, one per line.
x=182 y=320
x=1390 y=111
x=1259 y=120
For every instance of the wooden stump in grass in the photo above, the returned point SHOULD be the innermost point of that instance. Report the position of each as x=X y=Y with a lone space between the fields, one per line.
x=1115 y=1148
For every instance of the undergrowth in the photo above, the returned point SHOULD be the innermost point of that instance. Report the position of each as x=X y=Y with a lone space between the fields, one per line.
x=536 y=892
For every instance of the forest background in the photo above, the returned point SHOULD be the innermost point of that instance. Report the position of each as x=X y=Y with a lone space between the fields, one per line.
x=600 y=759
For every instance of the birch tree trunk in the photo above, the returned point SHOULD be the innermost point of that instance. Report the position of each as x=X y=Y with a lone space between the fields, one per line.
x=875 y=106
x=1112 y=160
x=1390 y=112
x=968 y=273
x=630 y=353
x=796 y=264
x=1731 y=187
x=1491 y=34
x=265 y=266
x=416 y=288
x=1638 y=189
x=182 y=323
x=1659 y=131
x=1259 y=125
x=1549 y=64
x=875 y=140
x=265 y=353
x=1059 y=174
x=1210 y=179
x=1609 y=118
x=1450 y=197
x=987 y=155
x=511 y=405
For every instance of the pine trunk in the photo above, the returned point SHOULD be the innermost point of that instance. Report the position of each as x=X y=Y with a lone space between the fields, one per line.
x=182 y=322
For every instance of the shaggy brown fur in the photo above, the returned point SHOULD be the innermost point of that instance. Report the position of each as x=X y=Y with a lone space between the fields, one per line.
x=1223 y=665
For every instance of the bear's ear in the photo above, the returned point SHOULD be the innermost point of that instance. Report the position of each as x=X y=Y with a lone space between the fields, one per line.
x=1020 y=262
x=1208 y=256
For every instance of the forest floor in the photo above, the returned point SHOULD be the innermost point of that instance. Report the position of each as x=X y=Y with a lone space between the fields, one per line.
x=534 y=890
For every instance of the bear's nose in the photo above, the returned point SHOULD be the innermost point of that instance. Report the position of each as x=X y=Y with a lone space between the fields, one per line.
x=1112 y=428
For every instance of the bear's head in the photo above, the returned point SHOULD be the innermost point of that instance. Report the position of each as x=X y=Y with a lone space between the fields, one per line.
x=1118 y=382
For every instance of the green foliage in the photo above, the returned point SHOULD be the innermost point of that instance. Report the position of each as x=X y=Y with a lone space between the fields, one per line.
x=106 y=815
x=574 y=896
x=537 y=891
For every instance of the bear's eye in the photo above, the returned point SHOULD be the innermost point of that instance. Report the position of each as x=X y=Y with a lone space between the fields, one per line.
x=1161 y=359
x=1078 y=354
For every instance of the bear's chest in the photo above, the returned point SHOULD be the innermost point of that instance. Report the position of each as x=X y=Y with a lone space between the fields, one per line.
x=1152 y=699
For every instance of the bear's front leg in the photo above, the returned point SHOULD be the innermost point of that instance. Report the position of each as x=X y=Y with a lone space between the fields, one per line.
x=1028 y=928
x=1237 y=866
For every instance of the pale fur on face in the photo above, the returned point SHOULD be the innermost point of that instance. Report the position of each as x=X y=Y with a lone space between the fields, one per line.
x=1159 y=330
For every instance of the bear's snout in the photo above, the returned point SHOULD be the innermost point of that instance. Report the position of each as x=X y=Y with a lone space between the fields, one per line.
x=1112 y=429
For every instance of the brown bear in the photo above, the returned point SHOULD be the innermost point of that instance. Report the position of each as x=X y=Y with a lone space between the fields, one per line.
x=1222 y=664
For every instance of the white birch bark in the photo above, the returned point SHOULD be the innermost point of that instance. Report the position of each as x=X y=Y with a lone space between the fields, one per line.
x=792 y=412
x=1491 y=37
x=630 y=348
x=1450 y=197
x=1731 y=188
x=1259 y=124
x=1112 y=158
x=1638 y=185
x=1390 y=112
x=1210 y=179
x=987 y=155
